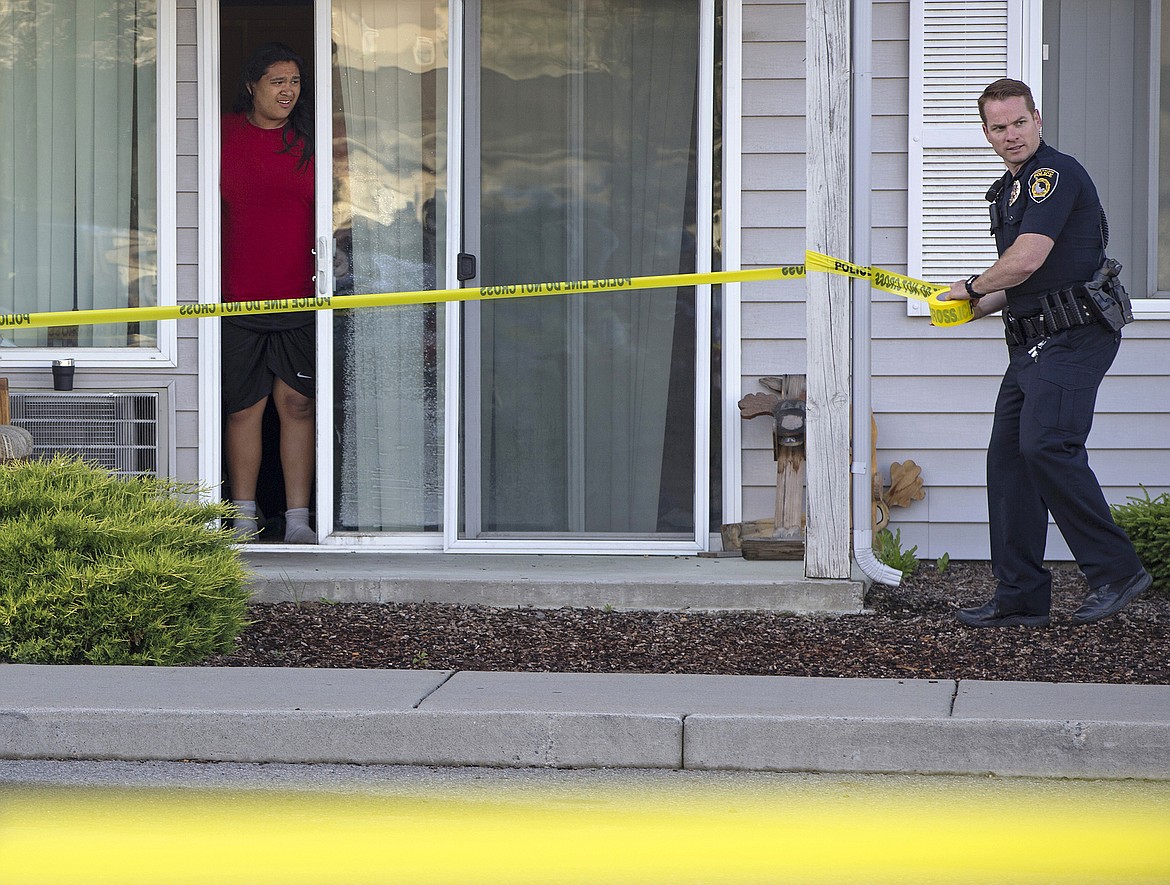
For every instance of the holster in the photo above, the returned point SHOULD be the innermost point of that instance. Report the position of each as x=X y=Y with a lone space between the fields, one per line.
x=1107 y=298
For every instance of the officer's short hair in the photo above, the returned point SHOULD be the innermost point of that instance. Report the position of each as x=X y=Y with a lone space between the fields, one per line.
x=1003 y=88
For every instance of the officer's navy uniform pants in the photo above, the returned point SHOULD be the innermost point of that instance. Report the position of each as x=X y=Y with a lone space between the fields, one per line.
x=1037 y=464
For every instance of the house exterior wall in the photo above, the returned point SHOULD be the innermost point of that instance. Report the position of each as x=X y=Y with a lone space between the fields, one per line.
x=773 y=222
x=933 y=389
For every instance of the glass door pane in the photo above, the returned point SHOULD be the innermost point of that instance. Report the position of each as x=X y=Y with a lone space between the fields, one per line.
x=389 y=214
x=579 y=411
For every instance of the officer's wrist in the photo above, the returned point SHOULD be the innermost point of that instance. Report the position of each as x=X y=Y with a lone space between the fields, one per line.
x=970 y=286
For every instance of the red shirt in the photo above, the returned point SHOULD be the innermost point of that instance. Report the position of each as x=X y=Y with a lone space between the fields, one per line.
x=267 y=214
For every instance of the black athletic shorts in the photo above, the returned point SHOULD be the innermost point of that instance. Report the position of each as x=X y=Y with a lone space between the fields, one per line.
x=259 y=349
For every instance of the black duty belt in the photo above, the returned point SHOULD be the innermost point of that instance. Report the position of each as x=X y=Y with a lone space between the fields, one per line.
x=1060 y=310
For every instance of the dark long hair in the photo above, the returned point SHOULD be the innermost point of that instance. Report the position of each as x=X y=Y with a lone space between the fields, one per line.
x=299 y=134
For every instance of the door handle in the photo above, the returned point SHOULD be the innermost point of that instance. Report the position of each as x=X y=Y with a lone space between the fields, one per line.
x=465 y=267
x=324 y=255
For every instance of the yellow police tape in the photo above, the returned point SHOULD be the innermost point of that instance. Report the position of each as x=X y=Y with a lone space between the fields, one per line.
x=878 y=832
x=942 y=313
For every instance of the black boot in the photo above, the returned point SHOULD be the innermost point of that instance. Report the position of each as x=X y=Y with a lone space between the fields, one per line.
x=1109 y=599
x=994 y=614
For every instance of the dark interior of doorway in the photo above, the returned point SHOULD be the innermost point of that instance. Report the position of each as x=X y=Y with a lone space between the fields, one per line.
x=244 y=25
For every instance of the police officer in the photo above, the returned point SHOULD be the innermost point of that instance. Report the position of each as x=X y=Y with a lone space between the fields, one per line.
x=1063 y=309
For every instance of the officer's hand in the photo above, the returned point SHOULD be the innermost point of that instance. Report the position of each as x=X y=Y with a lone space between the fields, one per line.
x=980 y=307
x=957 y=292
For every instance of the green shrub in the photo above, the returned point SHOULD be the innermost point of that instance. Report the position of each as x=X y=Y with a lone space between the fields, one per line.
x=100 y=570
x=887 y=548
x=1147 y=522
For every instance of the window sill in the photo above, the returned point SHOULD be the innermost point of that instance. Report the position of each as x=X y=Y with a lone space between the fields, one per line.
x=1151 y=308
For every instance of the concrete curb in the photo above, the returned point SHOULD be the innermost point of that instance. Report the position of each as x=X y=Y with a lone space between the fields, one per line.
x=515 y=740
x=1040 y=748
x=568 y=720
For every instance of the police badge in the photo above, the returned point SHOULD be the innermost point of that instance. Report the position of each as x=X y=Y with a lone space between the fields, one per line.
x=1015 y=192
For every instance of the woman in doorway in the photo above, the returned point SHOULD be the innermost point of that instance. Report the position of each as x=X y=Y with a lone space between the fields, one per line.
x=266 y=189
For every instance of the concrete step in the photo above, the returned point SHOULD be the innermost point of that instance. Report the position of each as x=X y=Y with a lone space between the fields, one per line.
x=623 y=583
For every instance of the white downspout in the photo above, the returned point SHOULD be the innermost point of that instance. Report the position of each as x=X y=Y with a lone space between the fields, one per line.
x=862 y=233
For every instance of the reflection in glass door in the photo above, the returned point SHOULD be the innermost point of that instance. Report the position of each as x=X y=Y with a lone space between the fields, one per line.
x=579 y=412
x=389 y=215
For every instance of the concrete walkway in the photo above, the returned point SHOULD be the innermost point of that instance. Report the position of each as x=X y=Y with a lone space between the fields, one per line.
x=562 y=720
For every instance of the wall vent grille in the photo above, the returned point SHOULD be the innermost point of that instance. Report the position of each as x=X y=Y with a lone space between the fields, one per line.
x=118 y=431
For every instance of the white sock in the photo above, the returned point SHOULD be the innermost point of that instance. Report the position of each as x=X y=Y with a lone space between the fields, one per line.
x=296 y=526
x=245 y=526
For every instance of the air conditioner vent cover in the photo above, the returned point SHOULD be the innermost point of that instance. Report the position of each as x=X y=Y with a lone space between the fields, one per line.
x=118 y=431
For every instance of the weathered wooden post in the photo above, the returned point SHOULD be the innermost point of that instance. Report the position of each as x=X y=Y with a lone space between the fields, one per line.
x=829 y=198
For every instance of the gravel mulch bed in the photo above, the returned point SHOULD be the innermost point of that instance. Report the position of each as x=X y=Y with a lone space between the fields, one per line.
x=908 y=632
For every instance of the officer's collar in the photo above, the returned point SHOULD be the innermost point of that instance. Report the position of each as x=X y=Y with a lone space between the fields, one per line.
x=1027 y=165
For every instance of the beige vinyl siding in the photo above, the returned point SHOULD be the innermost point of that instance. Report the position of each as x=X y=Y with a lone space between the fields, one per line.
x=772 y=223
x=185 y=393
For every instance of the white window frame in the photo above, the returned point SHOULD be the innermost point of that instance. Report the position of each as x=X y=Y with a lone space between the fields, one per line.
x=210 y=243
x=731 y=189
x=1157 y=306
x=163 y=355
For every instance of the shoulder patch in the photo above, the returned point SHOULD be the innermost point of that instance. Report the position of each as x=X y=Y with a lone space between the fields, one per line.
x=1042 y=183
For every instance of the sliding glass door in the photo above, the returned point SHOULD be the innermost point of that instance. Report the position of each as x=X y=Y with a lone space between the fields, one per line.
x=511 y=141
x=389 y=208
x=582 y=145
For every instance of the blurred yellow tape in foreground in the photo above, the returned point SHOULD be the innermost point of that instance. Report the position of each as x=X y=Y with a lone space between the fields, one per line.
x=960 y=831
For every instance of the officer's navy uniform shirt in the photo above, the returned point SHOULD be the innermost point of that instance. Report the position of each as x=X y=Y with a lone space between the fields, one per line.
x=1052 y=194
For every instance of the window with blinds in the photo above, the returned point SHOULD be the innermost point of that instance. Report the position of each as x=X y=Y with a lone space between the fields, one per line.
x=957 y=47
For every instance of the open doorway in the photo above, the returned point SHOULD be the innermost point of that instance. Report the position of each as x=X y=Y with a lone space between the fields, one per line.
x=244 y=26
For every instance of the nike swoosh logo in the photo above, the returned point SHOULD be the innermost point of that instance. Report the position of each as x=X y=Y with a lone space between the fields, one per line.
x=306 y=377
